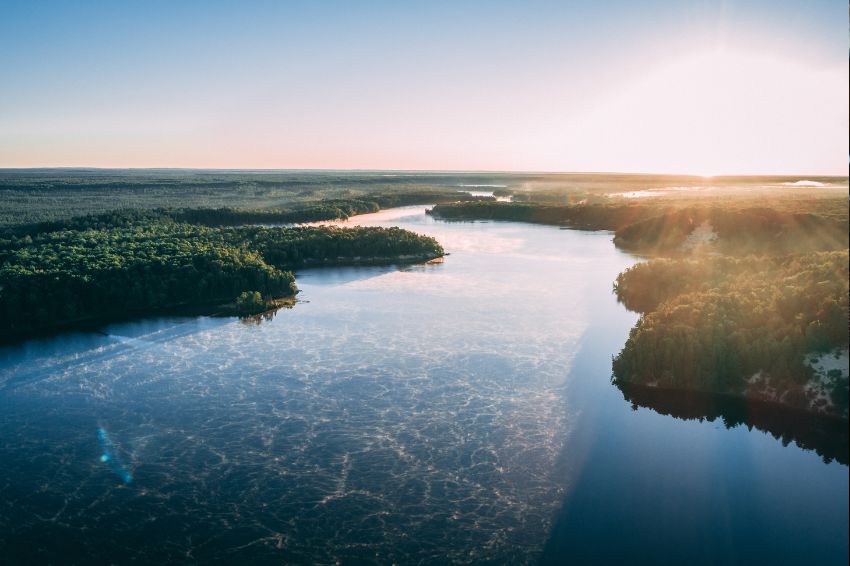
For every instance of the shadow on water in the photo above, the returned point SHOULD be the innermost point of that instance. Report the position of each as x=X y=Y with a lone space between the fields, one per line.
x=32 y=360
x=638 y=495
x=827 y=436
x=698 y=489
x=334 y=276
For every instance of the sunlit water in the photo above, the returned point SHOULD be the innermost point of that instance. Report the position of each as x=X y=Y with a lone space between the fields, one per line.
x=452 y=412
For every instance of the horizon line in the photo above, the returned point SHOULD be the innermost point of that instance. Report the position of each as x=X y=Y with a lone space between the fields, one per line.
x=363 y=170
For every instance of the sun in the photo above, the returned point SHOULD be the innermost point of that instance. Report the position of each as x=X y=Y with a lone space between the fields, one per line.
x=718 y=112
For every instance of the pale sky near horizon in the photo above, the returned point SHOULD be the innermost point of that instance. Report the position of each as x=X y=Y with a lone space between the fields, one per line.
x=665 y=86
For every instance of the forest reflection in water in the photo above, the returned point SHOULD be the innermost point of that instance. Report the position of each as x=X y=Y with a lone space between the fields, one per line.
x=825 y=435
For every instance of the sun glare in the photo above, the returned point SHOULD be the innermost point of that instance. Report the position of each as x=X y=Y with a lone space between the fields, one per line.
x=718 y=113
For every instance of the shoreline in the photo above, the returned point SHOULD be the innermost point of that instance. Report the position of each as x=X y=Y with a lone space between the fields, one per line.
x=726 y=396
x=210 y=309
x=824 y=433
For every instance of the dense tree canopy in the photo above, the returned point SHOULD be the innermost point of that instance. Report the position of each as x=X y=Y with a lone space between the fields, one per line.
x=751 y=230
x=143 y=261
x=712 y=324
x=49 y=195
x=581 y=216
x=327 y=209
x=660 y=228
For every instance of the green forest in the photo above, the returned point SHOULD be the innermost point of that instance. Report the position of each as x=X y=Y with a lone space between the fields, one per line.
x=662 y=227
x=605 y=216
x=738 y=232
x=88 y=245
x=112 y=265
x=327 y=209
x=83 y=245
x=711 y=324
x=31 y=196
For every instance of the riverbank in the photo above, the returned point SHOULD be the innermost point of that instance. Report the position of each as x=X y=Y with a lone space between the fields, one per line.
x=674 y=228
x=135 y=265
x=746 y=292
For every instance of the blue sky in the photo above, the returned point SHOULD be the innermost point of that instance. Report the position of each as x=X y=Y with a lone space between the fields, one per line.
x=426 y=85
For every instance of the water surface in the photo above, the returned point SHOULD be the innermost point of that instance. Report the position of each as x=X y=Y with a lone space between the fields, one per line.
x=459 y=411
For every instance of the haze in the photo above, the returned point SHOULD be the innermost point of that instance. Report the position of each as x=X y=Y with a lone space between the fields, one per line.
x=665 y=86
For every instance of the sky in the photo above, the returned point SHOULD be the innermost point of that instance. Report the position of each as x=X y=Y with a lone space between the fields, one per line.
x=695 y=87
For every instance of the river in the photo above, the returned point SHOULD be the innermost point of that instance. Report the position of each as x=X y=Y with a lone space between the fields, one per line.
x=459 y=411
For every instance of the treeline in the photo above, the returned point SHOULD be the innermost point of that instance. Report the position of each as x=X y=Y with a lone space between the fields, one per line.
x=213 y=217
x=327 y=209
x=658 y=228
x=580 y=216
x=330 y=245
x=32 y=196
x=143 y=264
x=714 y=324
x=69 y=276
x=752 y=230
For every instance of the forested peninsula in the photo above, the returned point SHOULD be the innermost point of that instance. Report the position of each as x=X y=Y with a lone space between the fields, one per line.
x=741 y=300
x=752 y=327
x=132 y=262
x=662 y=228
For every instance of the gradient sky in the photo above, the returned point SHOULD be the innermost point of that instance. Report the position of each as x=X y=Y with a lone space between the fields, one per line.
x=706 y=87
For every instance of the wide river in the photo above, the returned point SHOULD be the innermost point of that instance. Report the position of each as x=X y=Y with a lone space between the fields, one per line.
x=454 y=412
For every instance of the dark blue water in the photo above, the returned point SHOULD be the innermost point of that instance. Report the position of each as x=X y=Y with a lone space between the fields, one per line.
x=459 y=412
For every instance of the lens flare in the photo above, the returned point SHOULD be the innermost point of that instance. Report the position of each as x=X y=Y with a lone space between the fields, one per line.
x=111 y=457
